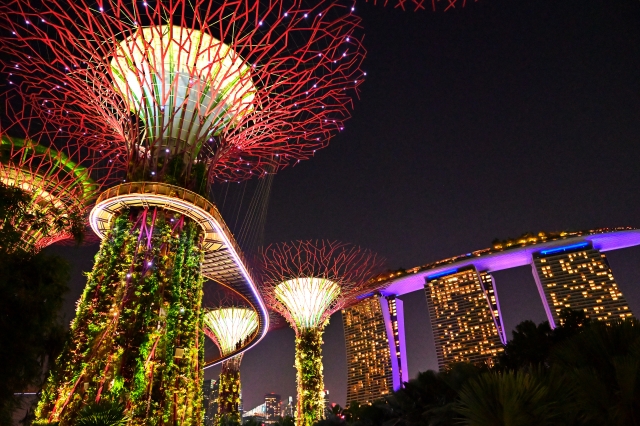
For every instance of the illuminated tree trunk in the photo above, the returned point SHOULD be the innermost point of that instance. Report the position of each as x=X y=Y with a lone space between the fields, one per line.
x=136 y=337
x=229 y=390
x=310 y=405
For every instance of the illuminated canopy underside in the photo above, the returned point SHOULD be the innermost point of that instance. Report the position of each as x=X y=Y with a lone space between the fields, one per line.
x=183 y=83
x=307 y=299
x=57 y=186
x=50 y=176
x=231 y=326
x=32 y=184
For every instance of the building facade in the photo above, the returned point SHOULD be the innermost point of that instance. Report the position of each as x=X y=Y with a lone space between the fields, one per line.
x=462 y=317
x=272 y=406
x=578 y=277
x=210 y=390
x=491 y=294
x=327 y=404
x=374 y=338
x=289 y=409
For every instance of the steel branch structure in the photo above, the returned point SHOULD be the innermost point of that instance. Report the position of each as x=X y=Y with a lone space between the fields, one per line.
x=239 y=86
x=306 y=282
x=416 y=5
x=177 y=95
x=59 y=189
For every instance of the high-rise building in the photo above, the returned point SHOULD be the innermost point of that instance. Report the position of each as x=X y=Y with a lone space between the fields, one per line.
x=486 y=280
x=210 y=391
x=462 y=317
x=327 y=404
x=289 y=408
x=578 y=277
x=272 y=406
x=374 y=337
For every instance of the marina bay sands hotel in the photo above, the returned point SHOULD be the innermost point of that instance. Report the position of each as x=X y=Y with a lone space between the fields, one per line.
x=570 y=270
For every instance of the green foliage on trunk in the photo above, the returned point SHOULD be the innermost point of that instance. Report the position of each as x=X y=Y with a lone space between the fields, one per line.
x=136 y=338
x=103 y=413
x=229 y=392
x=310 y=404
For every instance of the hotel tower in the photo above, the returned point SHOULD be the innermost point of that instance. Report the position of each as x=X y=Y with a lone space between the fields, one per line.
x=465 y=319
x=374 y=336
x=578 y=277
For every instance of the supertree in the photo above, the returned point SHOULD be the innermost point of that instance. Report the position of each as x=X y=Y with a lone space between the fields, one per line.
x=53 y=190
x=306 y=282
x=229 y=322
x=228 y=326
x=178 y=94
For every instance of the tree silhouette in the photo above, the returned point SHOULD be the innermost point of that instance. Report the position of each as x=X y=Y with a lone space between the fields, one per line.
x=32 y=285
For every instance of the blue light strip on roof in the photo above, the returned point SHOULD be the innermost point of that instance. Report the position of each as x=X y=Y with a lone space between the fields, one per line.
x=364 y=296
x=442 y=274
x=564 y=249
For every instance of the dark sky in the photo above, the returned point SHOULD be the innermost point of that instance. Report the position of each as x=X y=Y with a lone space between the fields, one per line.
x=489 y=121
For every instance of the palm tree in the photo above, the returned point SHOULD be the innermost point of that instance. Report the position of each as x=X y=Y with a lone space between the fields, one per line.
x=376 y=414
x=514 y=398
x=603 y=363
x=430 y=398
x=532 y=345
x=103 y=413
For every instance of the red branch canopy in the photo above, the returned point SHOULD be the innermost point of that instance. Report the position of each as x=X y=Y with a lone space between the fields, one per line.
x=346 y=266
x=416 y=5
x=53 y=170
x=245 y=87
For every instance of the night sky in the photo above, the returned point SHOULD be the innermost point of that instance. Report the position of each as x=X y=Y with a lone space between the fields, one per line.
x=486 y=122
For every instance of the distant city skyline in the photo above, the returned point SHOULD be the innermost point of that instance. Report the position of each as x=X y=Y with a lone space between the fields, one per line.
x=272 y=409
x=210 y=392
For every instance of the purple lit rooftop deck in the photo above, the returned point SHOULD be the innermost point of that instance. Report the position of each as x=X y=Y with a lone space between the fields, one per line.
x=489 y=260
